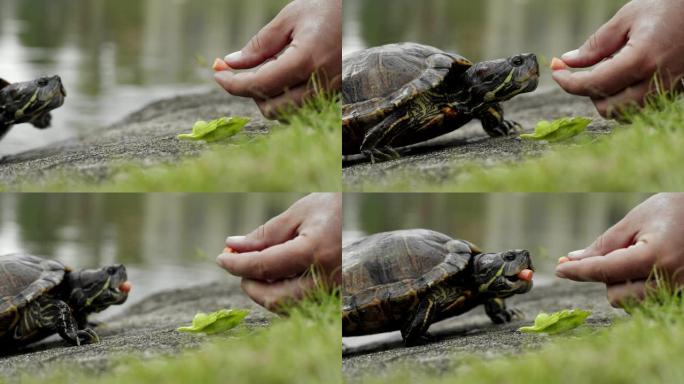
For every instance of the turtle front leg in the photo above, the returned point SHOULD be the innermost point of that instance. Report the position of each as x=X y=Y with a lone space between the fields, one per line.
x=493 y=122
x=414 y=332
x=56 y=316
x=499 y=314
x=391 y=127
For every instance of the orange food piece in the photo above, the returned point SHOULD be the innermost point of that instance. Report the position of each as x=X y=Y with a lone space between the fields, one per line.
x=563 y=259
x=125 y=286
x=220 y=65
x=228 y=250
x=558 y=64
x=525 y=274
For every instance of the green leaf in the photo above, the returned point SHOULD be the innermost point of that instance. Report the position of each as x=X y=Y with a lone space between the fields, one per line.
x=558 y=130
x=215 y=130
x=216 y=322
x=557 y=322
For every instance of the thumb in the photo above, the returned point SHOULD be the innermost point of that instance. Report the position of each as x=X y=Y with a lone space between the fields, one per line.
x=620 y=235
x=268 y=42
x=275 y=231
x=603 y=43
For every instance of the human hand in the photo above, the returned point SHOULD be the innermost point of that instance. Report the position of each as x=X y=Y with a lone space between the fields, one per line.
x=274 y=259
x=650 y=235
x=310 y=31
x=646 y=38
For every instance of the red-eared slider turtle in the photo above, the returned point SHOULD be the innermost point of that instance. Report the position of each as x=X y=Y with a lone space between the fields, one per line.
x=29 y=102
x=40 y=297
x=401 y=94
x=406 y=280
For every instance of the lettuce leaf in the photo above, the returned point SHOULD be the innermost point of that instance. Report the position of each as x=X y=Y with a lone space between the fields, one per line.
x=557 y=322
x=215 y=130
x=216 y=322
x=558 y=130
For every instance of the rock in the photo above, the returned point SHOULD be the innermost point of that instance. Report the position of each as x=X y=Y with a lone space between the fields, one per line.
x=146 y=137
x=435 y=160
x=474 y=334
x=146 y=329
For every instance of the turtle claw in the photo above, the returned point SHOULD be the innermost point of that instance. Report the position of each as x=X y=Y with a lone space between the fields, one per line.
x=516 y=314
x=87 y=336
x=384 y=154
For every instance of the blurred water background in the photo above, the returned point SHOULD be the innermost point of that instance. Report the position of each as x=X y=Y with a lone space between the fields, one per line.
x=115 y=56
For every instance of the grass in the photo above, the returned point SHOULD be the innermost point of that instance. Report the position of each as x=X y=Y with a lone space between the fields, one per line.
x=304 y=347
x=301 y=155
x=645 y=348
x=643 y=155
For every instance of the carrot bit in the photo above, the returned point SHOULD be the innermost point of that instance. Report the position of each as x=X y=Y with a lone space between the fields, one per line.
x=220 y=65
x=525 y=274
x=125 y=286
x=228 y=250
x=558 y=64
x=563 y=259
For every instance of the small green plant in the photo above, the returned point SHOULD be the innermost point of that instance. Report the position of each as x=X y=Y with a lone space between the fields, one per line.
x=558 y=130
x=557 y=322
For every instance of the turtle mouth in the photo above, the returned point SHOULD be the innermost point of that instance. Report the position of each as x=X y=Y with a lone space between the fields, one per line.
x=514 y=281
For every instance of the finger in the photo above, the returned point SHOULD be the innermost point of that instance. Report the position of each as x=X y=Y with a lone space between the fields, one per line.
x=293 y=67
x=606 y=41
x=277 y=230
x=620 y=235
x=268 y=42
x=632 y=263
x=280 y=261
x=622 y=294
x=274 y=296
x=626 y=68
x=618 y=104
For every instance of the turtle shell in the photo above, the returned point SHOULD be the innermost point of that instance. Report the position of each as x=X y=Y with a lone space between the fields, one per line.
x=376 y=81
x=399 y=261
x=23 y=278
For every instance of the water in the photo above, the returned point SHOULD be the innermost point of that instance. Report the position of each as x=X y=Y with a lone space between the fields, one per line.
x=479 y=30
x=115 y=56
x=166 y=241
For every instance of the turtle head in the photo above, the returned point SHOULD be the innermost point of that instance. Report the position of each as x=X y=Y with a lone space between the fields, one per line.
x=499 y=80
x=31 y=101
x=498 y=273
x=93 y=290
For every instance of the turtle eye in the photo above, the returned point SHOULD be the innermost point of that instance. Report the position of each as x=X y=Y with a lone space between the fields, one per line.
x=509 y=257
x=43 y=81
x=517 y=61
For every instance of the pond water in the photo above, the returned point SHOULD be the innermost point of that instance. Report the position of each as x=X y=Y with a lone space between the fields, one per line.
x=479 y=30
x=116 y=56
x=166 y=241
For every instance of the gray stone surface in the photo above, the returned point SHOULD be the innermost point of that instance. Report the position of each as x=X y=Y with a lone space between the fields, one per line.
x=145 y=137
x=438 y=159
x=474 y=334
x=146 y=329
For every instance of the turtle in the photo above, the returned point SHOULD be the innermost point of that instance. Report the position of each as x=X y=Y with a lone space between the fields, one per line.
x=400 y=94
x=40 y=297
x=407 y=280
x=30 y=102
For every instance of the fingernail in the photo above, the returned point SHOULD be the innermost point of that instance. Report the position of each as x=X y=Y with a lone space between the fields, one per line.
x=233 y=56
x=576 y=253
x=234 y=239
x=572 y=55
x=560 y=274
